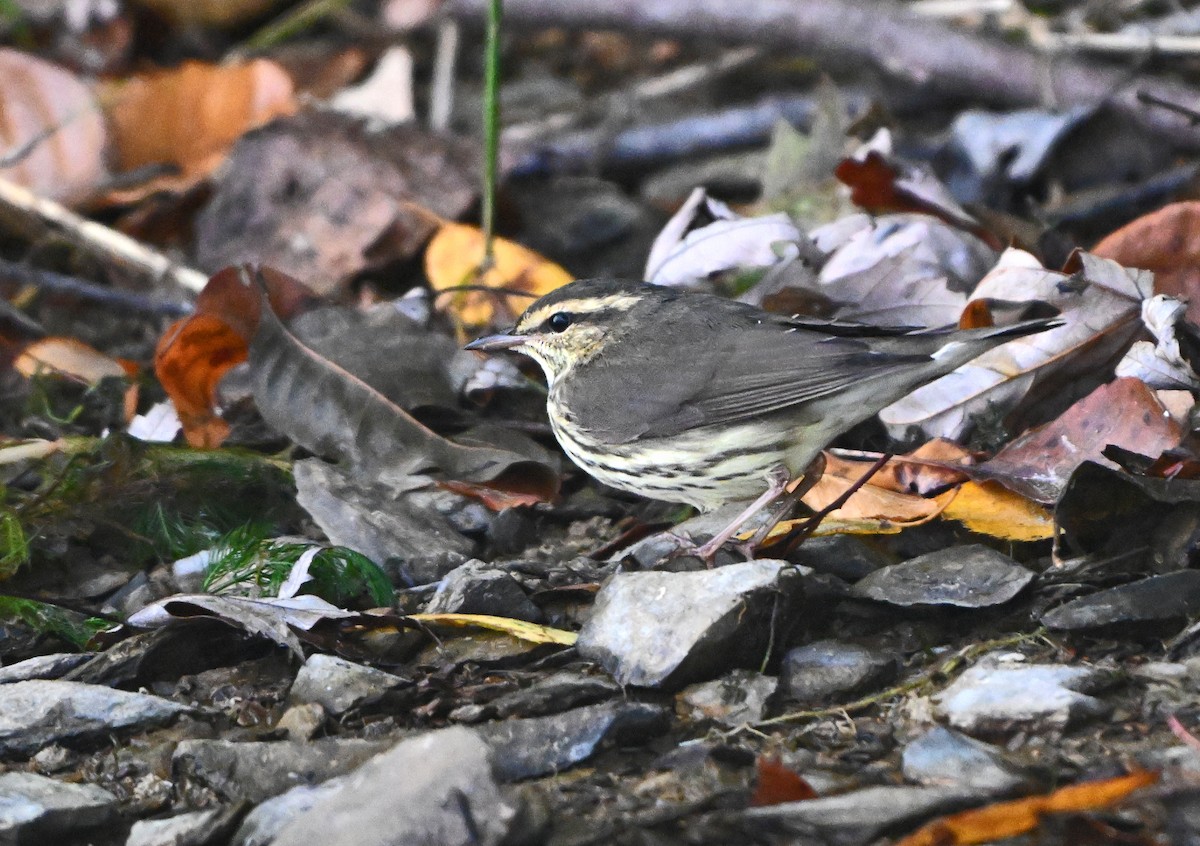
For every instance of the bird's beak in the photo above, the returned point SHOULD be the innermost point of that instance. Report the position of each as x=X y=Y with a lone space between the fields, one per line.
x=491 y=343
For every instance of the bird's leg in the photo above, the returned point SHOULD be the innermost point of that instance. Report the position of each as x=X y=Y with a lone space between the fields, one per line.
x=802 y=532
x=777 y=484
x=811 y=475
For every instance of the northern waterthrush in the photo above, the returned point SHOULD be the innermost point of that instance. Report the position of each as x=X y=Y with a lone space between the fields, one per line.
x=694 y=398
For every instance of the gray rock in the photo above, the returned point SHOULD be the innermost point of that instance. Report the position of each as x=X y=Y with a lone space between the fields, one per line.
x=34 y=807
x=732 y=700
x=194 y=827
x=844 y=556
x=995 y=696
x=255 y=771
x=261 y=825
x=541 y=745
x=862 y=815
x=481 y=588
x=829 y=670
x=553 y=694
x=970 y=576
x=44 y=666
x=669 y=629
x=338 y=685
x=1171 y=596
x=34 y=714
x=942 y=756
x=302 y=722
x=434 y=788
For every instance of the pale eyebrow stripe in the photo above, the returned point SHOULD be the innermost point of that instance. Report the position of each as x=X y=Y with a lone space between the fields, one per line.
x=618 y=302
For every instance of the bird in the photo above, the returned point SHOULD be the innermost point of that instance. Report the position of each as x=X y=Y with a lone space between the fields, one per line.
x=695 y=398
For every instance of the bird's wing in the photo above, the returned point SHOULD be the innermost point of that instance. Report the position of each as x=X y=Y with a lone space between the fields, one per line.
x=754 y=372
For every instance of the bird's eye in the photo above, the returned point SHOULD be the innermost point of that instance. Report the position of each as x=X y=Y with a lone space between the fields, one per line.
x=559 y=321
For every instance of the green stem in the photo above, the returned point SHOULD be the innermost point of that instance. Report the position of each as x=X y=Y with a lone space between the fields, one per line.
x=292 y=23
x=491 y=127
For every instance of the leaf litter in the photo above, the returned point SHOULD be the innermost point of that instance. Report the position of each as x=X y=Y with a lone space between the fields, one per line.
x=355 y=485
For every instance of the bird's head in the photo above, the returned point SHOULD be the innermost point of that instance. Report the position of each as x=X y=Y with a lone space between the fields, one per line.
x=573 y=324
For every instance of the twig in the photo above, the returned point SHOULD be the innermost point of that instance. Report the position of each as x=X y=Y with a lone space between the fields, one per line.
x=741 y=126
x=1124 y=43
x=441 y=89
x=945 y=667
x=802 y=532
x=35 y=216
x=1152 y=99
x=924 y=52
x=60 y=283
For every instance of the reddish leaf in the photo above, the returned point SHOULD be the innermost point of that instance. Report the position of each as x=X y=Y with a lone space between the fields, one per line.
x=1167 y=242
x=777 y=784
x=1124 y=412
x=196 y=352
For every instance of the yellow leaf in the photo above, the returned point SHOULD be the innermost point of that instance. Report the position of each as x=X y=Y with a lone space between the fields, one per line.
x=992 y=509
x=521 y=629
x=453 y=258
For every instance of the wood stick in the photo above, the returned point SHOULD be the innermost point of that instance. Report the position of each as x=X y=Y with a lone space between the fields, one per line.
x=923 y=52
x=33 y=217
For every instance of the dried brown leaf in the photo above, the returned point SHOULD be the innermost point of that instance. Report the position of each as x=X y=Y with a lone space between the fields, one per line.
x=51 y=128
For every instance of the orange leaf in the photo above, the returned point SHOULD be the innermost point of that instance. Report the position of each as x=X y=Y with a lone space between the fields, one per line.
x=190 y=116
x=1167 y=242
x=453 y=258
x=195 y=352
x=192 y=356
x=777 y=784
x=1008 y=819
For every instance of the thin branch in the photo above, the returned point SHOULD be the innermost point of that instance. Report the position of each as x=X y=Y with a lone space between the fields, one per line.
x=34 y=216
x=61 y=283
x=926 y=53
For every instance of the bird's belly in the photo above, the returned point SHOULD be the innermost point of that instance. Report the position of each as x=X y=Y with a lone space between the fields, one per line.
x=705 y=467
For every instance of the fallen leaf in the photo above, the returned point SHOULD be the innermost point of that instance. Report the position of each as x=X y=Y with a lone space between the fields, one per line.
x=681 y=254
x=274 y=619
x=68 y=357
x=1100 y=306
x=336 y=415
x=194 y=353
x=991 y=509
x=191 y=358
x=495 y=498
x=520 y=629
x=198 y=112
x=1160 y=364
x=879 y=182
x=1167 y=242
x=323 y=199
x=215 y=13
x=51 y=125
x=453 y=258
x=1039 y=464
x=872 y=509
x=1009 y=819
x=777 y=784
